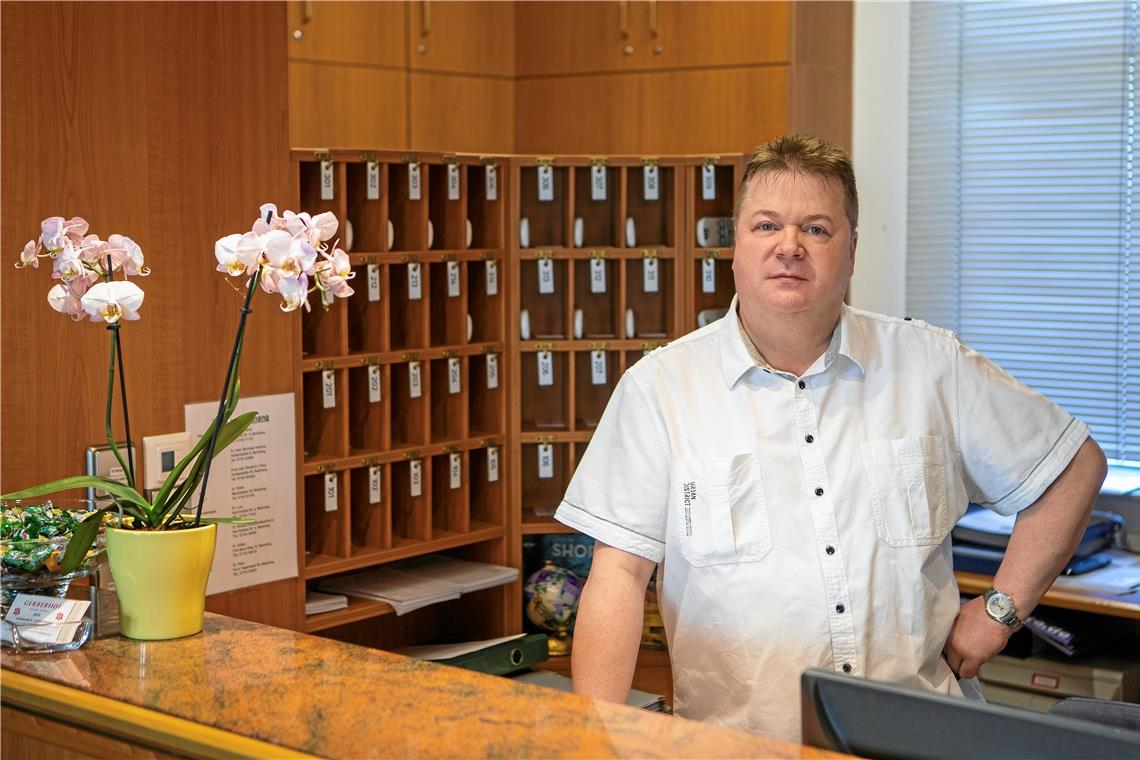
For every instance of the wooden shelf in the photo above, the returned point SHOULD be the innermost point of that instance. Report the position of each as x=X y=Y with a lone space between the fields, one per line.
x=357 y=609
x=532 y=524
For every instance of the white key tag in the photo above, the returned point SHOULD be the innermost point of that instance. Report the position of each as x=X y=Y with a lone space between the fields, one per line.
x=598 y=367
x=597 y=276
x=492 y=183
x=416 y=476
x=453 y=279
x=649 y=279
x=708 y=182
x=546 y=183
x=492 y=464
x=415 y=378
x=651 y=188
x=492 y=371
x=545 y=276
x=328 y=389
x=453 y=182
x=708 y=275
x=374 y=484
x=326 y=180
x=492 y=278
x=597 y=182
x=372 y=184
x=545 y=368
x=455 y=469
x=330 y=491
x=545 y=460
x=374 y=393
x=373 y=282
x=414 y=187
x=415 y=282
x=453 y=378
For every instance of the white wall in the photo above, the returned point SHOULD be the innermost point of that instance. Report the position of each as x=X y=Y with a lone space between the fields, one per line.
x=879 y=148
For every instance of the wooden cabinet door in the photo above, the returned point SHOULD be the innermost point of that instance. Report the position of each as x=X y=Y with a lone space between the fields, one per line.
x=347 y=32
x=690 y=34
x=580 y=37
x=466 y=37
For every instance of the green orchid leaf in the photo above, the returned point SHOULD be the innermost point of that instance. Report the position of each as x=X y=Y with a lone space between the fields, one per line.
x=113 y=487
x=228 y=434
x=82 y=539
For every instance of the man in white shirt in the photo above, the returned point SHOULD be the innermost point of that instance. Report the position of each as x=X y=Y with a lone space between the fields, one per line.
x=797 y=468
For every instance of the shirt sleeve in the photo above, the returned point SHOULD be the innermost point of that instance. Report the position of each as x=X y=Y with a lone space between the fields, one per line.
x=1013 y=441
x=619 y=493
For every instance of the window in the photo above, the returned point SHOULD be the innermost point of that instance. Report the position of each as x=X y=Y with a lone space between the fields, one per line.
x=1022 y=231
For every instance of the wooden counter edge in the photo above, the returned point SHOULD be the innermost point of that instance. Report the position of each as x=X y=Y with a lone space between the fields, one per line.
x=135 y=724
x=1124 y=605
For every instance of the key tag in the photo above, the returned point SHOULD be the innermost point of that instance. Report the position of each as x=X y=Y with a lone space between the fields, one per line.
x=453 y=377
x=453 y=279
x=453 y=182
x=374 y=484
x=492 y=464
x=492 y=278
x=373 y=282
x=597 y=182
x=708 y=275
x=327 y=180
x=545 y=183
x=708 y=182
x=491 y=183
x=545 y=368
x=545 y=460
x=598 y=367
x=597 y=275
x=413 y=182
x=415 y=386
x=374 y=394
x=372 y=184
x=416 y=476
x=545 y=276
x=328 y=389
x=330 y=492
x=415 y=282
x=650 y=282
x=492 y=371
x=651 y=189
x=455 y=466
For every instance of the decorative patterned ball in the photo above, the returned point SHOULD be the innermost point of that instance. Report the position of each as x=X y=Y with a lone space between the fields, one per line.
x=551 y=595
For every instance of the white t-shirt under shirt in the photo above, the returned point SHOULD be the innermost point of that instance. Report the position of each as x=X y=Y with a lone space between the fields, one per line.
x=805 y=521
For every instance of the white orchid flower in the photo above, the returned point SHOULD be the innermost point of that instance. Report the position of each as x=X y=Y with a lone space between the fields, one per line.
x=294 y=293
x=112 y=301
x=30 y=256
x=127 y=254
x=289 y=257
x=268 y=219
x=238 y=254
x=324 y=226
x=68 y=266
x=55 y=230
x=341 y=264
x=65 y=302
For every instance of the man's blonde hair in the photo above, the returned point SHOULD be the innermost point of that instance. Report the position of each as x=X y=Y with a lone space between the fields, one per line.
x=802 y=154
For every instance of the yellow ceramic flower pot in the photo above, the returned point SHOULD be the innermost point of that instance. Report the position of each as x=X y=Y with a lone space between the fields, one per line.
x=160 y=579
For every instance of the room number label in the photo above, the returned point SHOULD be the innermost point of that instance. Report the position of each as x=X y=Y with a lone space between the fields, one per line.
x=545 y=368
x=330 y=491
x=414 y=182
x=597 y=183
x=374 y=484
x=372 y=185
x=328 y=388
x=492 y=464
x=546 y=183
x=326 y=180
x=492 y=278
x=708 y=182
x=453 y=375
x=545 y=276
x=492 y=371
x=456 y=471
x=453 y=279
x=651 y=190
x=492 y=183
x=708 y=276
x=597 y=276
x=545 y=460
x=416 y=475
x=598 y=367
x=373 y=282
x=649 y=280
x=453 y=182
x=415 y=377
x=374 y=384
x=415 y=282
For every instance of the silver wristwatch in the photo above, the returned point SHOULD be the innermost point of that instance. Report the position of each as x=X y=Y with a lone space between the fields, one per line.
x=999 y=606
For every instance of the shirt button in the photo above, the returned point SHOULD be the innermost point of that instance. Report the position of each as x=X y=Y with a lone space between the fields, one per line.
x=846 y=667
x=809 y=438
x=802 y=384
x=819 y=492
x=840 y=608
x=830 y=550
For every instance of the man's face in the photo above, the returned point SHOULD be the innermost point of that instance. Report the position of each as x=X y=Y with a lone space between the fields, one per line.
x=795 y=249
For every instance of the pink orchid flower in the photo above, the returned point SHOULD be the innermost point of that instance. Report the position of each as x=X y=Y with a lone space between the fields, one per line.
x=290 y=257
x=111 y=301
x=238 y=254
x=128 y=254
x=268 y=220
x=30 y=256
x=68 y=265
x=55 y=229
x=294 y=293
x=65 y=301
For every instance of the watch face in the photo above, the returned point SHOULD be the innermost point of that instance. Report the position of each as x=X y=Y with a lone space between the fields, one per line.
x=999 y=605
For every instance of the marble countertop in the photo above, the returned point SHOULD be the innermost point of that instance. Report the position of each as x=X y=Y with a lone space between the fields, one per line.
x=332 y=699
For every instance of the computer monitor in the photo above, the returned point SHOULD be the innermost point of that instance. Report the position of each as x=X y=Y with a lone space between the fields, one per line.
x=879 y=720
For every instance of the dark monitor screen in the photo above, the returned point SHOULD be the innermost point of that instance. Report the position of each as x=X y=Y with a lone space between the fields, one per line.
x=880 y=720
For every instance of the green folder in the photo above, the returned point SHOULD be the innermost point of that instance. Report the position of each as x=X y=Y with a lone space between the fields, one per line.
x=504 y=658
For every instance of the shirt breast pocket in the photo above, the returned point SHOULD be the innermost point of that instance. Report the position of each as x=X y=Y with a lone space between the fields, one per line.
x=907 y=480
x=721 y=512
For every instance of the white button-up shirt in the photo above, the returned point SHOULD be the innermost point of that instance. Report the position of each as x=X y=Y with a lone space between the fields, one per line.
x=805 y=521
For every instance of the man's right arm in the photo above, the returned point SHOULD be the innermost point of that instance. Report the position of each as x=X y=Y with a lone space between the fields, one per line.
x=607 y=633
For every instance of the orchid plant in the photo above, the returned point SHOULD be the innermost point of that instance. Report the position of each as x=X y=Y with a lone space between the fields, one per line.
x=287 y=254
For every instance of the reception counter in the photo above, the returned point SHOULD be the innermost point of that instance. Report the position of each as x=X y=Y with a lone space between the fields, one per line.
x=244 y=689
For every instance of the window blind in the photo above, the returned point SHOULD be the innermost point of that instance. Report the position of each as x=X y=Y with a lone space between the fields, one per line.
x=1022 y=231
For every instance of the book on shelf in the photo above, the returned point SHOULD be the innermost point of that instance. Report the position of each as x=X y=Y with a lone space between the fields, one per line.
x=411 y=584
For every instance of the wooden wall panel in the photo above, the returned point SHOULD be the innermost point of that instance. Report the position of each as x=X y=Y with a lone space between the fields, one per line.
x=472 y=37
x=716 y=110
x=821 y=75
x=560 y=37
x=131 y=122
x=333 y=106
x=701 y=34
x=583 y=114
x=467 y=114
x=347 y=32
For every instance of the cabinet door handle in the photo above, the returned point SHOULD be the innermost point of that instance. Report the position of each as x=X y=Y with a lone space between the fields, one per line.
x=653 y=18
x=623 y=18
x=306 y=11
x=425 y=17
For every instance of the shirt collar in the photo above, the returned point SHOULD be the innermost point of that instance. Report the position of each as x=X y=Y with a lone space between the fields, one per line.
x=736 y=348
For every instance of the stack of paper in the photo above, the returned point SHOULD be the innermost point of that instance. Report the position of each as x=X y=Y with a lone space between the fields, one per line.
x=471 y=576
x=419 y=582
x=316 y=602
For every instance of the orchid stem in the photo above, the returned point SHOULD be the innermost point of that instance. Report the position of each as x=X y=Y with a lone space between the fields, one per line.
x=111 y=398
x=231 y=372
x=126 y=415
